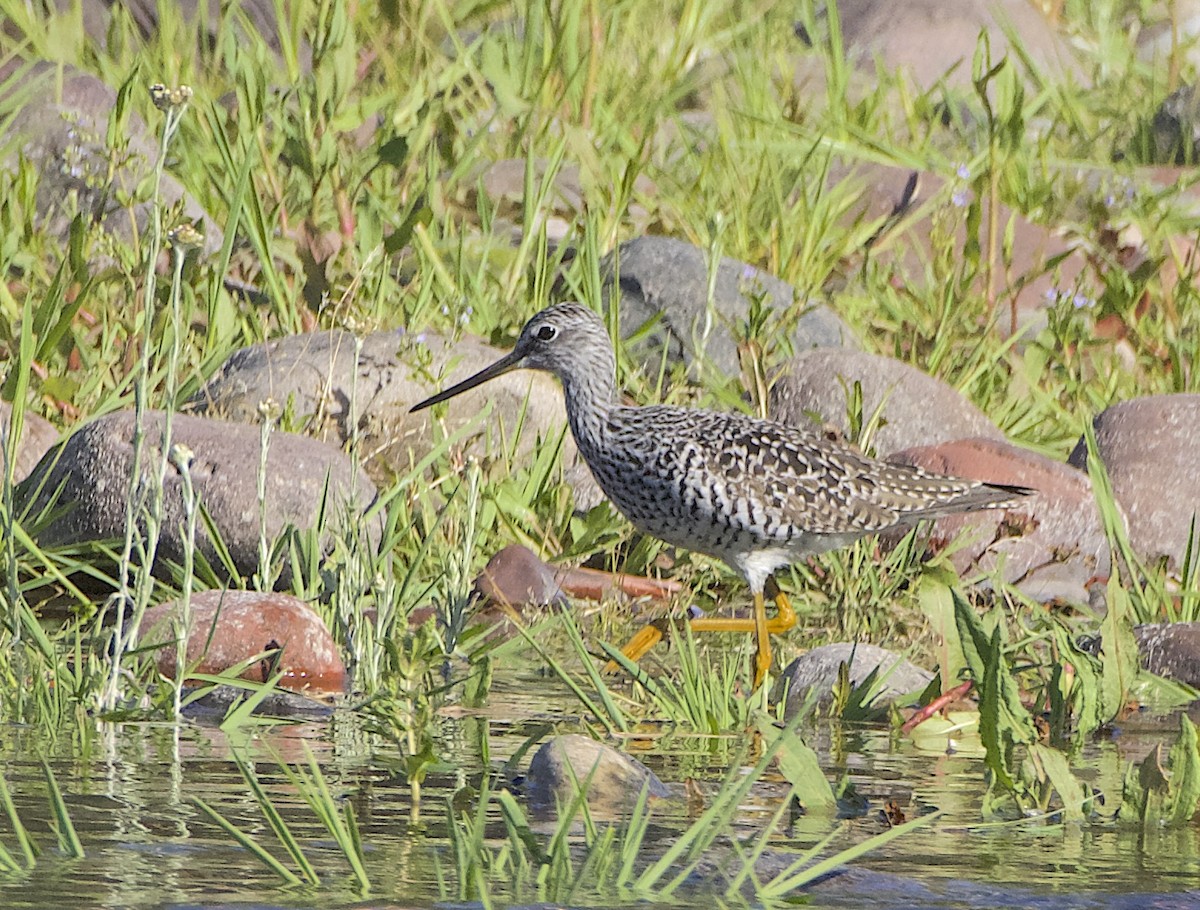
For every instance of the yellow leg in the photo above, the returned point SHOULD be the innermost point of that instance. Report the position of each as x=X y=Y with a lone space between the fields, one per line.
x=762 y=636
x=783 y=619
x=785 y=616
x=763 y=628
x=757 y=624
x=638 y=646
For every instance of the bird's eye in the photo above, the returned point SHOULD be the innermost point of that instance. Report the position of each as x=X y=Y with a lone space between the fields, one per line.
x=545 y=333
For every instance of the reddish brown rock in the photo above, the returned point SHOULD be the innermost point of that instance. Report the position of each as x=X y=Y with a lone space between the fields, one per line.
x=1051 y=544
x=230 y=627
x=516 y=576
x=918 y=409
x=1149 y=447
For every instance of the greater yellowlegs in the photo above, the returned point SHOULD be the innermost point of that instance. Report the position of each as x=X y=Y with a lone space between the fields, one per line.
x=755 y=493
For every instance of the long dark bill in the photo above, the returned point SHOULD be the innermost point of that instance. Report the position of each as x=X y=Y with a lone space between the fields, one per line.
x=503 y=365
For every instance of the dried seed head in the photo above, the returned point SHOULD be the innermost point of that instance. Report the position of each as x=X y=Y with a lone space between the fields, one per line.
x=186 y=236
x=166 y=99
x=182 y=457
x=269 y=409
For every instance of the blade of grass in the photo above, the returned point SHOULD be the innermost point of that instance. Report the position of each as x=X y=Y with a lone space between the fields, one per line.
x=28 y=847
x=246 y=841
x=68 y=840
x=275 y=820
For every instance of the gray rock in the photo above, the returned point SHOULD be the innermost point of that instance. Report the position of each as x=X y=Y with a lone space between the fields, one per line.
x=1173 y=39
x=214 y=705
x=87 y=477
x=93 y=15
x=1171 y=649
x=1173 y=136
x=818 y=669
x=37 y=436
x=613 y=780
x=567 y=191
x=1148 y=445
x=330 y=394
x=917 y=408
x=1051 y=545
x=665 y=282
x=61 y=129
x=259 y=15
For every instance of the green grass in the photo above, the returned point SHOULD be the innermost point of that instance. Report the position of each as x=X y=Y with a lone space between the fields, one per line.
x=347 y=174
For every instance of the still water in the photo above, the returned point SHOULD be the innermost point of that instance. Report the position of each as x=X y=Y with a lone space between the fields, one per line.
x=131 y=791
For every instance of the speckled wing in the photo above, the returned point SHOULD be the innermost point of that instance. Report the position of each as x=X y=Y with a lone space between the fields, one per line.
x=796 y=479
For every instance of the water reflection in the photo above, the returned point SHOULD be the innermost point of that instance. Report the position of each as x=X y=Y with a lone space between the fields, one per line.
x=130 y=791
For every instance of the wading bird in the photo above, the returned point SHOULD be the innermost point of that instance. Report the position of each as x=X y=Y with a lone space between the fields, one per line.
x=754 y=493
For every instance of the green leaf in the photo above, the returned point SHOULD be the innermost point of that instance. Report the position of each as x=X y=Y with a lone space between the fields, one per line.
x=935 y=597
x=1120 y=664
x=797 y=763
x=1184 y=794
x=1052 y=765
x=68 y=840
x=1080 y=697
x=394 y=152
x=249 y=843
x=1159 y=792
x=1003 y=720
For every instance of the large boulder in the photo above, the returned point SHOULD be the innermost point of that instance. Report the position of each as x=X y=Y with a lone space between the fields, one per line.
x=61 y=126
x=1051 y=544
x=933 y=41
x=335 y=390
x=85 y=481
x=664 y=283
x=611 y=780
x=917 y=409
x=1148 y=446
x=896 y=677
x=37 y=436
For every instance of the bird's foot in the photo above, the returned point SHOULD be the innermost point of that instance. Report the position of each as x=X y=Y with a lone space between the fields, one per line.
x=638 y=646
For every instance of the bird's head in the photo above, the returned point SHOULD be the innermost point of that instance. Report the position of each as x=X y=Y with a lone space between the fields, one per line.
x=567 y=339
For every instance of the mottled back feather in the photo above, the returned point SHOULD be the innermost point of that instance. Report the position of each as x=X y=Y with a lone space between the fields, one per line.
x=755 y=493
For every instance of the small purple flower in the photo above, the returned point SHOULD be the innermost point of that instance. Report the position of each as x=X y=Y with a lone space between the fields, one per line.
x=1082 y=302
x=960 y=199
x=749 y=273
x=964 y=172
x=420 y=338
x=1050 y=295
